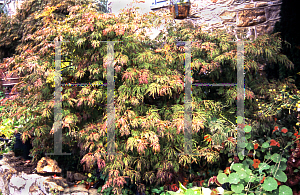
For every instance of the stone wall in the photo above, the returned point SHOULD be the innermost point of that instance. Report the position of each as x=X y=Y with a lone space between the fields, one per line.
x=20 y=183
x=254 y=17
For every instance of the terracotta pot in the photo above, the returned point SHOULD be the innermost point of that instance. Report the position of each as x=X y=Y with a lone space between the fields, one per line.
x=180 y=11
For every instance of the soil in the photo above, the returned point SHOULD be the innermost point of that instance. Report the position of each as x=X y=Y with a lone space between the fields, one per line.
x=27 y=166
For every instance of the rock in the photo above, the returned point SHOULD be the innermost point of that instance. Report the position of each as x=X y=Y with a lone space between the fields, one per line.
x=79 y=177
x=251 y=17
x=35 y=190
x=93 y=191
x=47 y=165
x=17 y=182
x=71 y=176
x=219 y=14
x=7 y=156
x=79 y=189
x=228 y=16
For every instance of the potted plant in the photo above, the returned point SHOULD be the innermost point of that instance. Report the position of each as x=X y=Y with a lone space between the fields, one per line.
x=180 y=8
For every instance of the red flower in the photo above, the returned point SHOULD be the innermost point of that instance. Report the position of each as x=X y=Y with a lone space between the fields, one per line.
x=256 y=162
x=256 y=146
x=284 y=130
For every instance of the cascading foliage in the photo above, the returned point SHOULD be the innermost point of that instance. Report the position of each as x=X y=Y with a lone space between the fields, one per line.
x=149 y=87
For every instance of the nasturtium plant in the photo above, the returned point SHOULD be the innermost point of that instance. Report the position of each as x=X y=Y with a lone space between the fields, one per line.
x=260 y=175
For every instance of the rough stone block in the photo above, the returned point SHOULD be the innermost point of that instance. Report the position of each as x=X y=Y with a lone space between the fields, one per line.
x=251 y=17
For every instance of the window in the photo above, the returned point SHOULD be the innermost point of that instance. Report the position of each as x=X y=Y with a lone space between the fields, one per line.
x=159 y=4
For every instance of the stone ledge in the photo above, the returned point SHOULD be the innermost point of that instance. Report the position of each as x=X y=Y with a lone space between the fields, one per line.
x=13 y=182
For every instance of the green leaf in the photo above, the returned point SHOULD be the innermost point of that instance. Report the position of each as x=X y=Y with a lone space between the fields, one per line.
x=247 y=136
x=237 y=166
x=281 y=176
x=247 y=129
x=222 y=178
x=263 y=166
x=182 y=187
x=233 y=178
x=242 y=174
x=269 y=184
x=237 y=188
x=276 y=158
x=285 y=190
x=239 y=120
x=265 y=145
x=250 y=146
x=241 y=156
x=282 y=166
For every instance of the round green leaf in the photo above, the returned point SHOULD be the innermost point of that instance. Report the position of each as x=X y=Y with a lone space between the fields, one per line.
x=269 y=184
x=189 y=192
x=247 y=136
x=282 y=166
x=222 y=178
x=239 y=120
x=233 y=178
x=242 y=144
x=263 y=166
x=276 y=158
x=265 y=145
x=247 y=129
x=283 y=160
x=241 y=156
x=250 y=146
x=242 y=174
x=237 y=188
x=281 y=176
x=249 y=178
x=285 y=190
x=237 y=166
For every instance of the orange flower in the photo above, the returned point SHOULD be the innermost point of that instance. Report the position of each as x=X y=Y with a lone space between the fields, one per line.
x=275 y=129
x=284 y=130
x=250 y=154
x=262 y=181
x=274 y=143
x=209 y=139
x=227 y=170
x=256 y=146
x=205 y=137
x=278 y=182
x=174 y=187
x=256 y=162
x=214 y=192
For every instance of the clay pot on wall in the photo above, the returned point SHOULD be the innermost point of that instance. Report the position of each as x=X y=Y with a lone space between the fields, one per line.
x=180 y=8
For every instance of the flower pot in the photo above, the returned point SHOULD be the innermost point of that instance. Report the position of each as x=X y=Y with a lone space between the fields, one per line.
x=180 y=11
x=22 y=149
